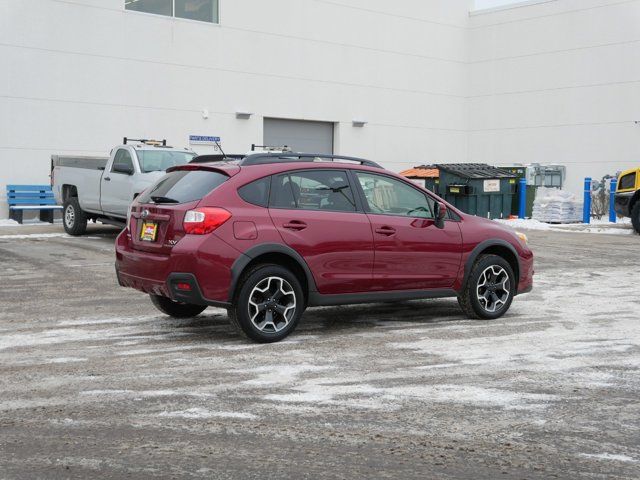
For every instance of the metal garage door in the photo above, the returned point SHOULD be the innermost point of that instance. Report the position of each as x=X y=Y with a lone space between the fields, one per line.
x=299 y=135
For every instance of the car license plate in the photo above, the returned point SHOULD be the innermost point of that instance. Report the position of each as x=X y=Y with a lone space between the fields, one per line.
x=149 y=232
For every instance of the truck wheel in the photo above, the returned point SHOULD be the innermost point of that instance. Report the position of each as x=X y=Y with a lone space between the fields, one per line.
x=176 y=309
x=268 y=305
x=635 y=216
x=74 y=219
x=490 y=288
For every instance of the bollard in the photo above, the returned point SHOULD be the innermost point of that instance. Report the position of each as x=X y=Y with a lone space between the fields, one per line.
x=522 y=197
x=612 y=200
x=586 y=212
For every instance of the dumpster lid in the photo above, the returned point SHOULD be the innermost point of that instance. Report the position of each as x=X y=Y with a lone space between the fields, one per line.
x=476 y=170
x=423 y=171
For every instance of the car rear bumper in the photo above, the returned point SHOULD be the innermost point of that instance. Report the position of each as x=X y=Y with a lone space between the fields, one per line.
x=201 y=262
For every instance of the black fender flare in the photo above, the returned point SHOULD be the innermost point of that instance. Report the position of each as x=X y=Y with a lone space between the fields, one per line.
x=248 y=256
x=496 y=242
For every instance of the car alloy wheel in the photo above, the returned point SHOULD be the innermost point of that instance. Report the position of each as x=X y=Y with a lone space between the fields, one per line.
x=493 y=288
x=70 y=216
x=272 y=305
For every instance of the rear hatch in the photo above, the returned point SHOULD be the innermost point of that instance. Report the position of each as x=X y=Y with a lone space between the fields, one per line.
x=156 y=222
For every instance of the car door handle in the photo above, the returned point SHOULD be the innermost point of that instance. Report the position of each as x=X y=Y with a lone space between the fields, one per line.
x=107 y=179
x=386 y=231
x=295 y=225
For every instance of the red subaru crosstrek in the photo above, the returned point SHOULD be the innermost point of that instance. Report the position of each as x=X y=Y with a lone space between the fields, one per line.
x=269 y=235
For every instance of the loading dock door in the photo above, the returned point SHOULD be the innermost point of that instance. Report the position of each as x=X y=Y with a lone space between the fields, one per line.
x=300 y=135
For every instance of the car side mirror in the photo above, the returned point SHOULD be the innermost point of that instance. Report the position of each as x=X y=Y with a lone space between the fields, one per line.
x=123 y=168
x=441 y=214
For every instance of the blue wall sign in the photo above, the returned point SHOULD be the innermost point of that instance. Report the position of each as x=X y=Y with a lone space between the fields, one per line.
x=203 y=140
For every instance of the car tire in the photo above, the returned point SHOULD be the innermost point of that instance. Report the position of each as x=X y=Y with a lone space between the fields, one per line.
x=268 y=305
x=635 y=217
x=73 y=218
x=489 y=290
x=176 y=309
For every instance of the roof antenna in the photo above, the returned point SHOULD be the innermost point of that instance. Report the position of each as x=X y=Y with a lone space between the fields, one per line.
x=224 y=155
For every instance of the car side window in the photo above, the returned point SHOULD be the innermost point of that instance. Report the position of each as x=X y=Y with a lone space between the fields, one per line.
x=327 y=190
x=256 y=192
x=122 y=159
x=388 y=196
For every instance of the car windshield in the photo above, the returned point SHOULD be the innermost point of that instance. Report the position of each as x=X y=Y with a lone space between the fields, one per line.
x=160 y=160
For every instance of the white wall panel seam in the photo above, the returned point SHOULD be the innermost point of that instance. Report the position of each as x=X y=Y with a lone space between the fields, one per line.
x=389 y=14
x=553 y=89
x=549 y=15
x=552 y=52
x=628 y=122
x=274 y=34
x=241 y=72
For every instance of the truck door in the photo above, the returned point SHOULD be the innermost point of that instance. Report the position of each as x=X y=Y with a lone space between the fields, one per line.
x=117 y=184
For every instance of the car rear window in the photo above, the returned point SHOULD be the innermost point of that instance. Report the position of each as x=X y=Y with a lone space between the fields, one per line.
x=628 y=181
x=182 y=186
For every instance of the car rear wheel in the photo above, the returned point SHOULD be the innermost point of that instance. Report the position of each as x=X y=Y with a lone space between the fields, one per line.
x=635 y=216
x=176 y=309
x=490 y=288
x=74 y=219
x=268 y=305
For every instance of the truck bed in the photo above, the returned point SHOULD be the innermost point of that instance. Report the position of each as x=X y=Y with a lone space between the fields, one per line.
x=78 y=161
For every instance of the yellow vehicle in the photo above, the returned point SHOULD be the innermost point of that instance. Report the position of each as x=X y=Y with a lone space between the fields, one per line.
x=627 y=197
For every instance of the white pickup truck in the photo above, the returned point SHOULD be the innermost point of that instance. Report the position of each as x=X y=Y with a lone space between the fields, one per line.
x=102 y=188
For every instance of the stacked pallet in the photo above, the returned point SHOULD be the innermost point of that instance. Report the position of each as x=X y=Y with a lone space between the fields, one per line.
x=553 y=205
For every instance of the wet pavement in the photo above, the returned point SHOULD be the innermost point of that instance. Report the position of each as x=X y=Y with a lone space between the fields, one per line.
x=94 y=382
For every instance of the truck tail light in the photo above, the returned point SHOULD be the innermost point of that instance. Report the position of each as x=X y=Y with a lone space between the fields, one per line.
x=204 y=220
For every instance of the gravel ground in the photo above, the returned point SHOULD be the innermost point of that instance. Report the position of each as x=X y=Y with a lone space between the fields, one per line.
x=95 y=382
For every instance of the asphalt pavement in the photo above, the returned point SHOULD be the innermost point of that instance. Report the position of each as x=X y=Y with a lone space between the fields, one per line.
x=95 y=383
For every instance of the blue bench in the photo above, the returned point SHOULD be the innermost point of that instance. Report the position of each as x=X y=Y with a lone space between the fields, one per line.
x=31 y=197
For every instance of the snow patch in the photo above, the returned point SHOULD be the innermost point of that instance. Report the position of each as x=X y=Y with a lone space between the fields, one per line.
x=610 y=456
x=596 y=226
x=36 y=236
x=67 y=360
x=470 y=395
x=280 y=374
x=8 y=223
x=202 y=413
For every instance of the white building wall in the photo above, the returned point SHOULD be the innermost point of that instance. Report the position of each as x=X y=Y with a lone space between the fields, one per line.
x=78 y=75
x=554 y=81
x=557 y=82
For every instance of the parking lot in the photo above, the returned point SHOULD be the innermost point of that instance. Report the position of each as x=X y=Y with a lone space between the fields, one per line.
x=94 y=381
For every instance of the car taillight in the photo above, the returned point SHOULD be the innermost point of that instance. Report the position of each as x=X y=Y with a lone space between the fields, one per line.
x=204 y=220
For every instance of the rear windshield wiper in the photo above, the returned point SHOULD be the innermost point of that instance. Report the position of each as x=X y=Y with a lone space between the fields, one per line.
x=164 y=200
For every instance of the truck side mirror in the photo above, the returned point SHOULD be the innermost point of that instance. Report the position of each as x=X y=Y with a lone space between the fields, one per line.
x=441 y=214
x=123 y=168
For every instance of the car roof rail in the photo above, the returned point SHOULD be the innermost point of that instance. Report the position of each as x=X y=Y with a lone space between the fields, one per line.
x=267 y=158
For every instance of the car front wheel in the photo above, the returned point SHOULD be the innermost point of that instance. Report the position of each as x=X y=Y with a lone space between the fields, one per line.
x=490 y=288
x=268 y=305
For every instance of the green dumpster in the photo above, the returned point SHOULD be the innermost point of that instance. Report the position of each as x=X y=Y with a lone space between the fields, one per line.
x=522 y=172
x=478 y=189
